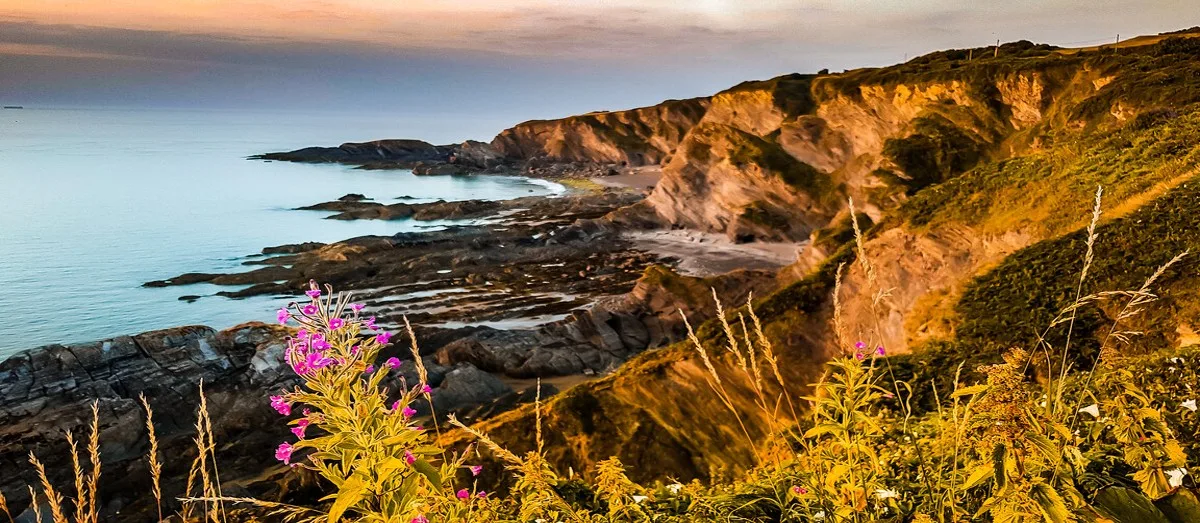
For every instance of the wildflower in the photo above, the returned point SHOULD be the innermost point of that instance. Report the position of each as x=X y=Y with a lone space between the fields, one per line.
x=1175 y=477
x=408 y=412
x=392 y=362
x=859 y=356
x=354 y=350
x=303 y=422
x=476 y=469
x=383 y=338
x=860 y=345
x=463 y=494
x=284 y=453
x=370 y=323
x=281 y=405
x=482 y=494
x=418 y=427
x=319 y=343
x=419 y=519
x=282 y=315
x=886 y=493
x=1092 y=409
x=298 y=430
x=426 y=389
x=369 y=369
x=395 y=405
x=888 y=395
x=639 y=499
x=879 y=351
x=309 y=309
x=317 y=361
x=306 y=411
x=302 y=334
x=314 y=293
x=1189 y=405
x=409 y=457
x=336 y=323
x=799 y=491
x=356 y=307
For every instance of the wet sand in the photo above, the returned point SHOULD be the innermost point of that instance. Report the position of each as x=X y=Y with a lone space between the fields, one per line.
x=708 y=254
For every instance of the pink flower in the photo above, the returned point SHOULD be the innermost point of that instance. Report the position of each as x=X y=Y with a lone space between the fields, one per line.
x=370 y=323
x=282 y=315
x=408 y=412
x=383 y=338
x=336 y=323
x=476 y=469
x=301 y=334
x=369 y=369
x=879 y=350
x=409 y=457
x=799 y=490
x=309 y=309
x=482 y=494
x=317 y=361
x=418 y=428
x=354 y=350
x=392 y=362
x=284 y=453
x=419 y=519
x=860 y=345
x=307 y=411
x=888 y=395
x=425 y=388
x=858 y=356
x=281 y=405
x=396 y=406
x=298 y=430
x=303 y=422
x=314 y=293
x=356 y=306
x=318 y=342
x=463 y=494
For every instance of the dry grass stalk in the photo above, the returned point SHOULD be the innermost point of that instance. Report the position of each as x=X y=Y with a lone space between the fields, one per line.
x=501 y=452
x=94 y=456
x=537 y=410
x=714 y=380
x=839 y=330
x=54 y=498
x=215 y=488
x=33 y=503
x=416 y=353
x=155 y=465
x=81 y=508
x=284 y=511
x=4 y=508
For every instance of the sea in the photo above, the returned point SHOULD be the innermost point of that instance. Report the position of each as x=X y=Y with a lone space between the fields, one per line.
x=97 y=201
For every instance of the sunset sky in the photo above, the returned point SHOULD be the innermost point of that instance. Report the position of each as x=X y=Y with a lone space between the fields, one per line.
x=524 y=58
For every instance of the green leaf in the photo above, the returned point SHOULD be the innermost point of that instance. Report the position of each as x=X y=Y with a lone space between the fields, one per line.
x=822 y=429
x=1043 y=444
x=350 y=494
x=1124 y=505
x=1052 y=505
x=979 y=475
x=999 y=465
x=969 y=391
x=1180 y=507
x=428 y=471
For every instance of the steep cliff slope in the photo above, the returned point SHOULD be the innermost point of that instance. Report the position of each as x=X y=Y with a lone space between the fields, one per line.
x=979 y=172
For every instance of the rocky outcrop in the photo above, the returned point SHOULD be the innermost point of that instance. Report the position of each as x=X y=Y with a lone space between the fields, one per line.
x=398 y=152
x=635 y=137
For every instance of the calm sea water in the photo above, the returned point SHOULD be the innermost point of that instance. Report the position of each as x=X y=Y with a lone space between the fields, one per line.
x=96 y=202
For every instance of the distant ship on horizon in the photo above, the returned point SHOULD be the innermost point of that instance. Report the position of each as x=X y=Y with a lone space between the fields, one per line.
x=14 y=107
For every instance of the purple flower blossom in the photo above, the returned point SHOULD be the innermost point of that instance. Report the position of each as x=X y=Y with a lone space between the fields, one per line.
x=354 y=350
x=356 y=307
x=481 y=494
x=370 y=369
x=409 y=457
x=301 y=334
x=317 y=361
x=879 y=350
x=306 y=411
x=284 y=453
x=476 y=469
x=281 y=405
x=383 y=338
x=396 y=406
x=860 y=345
x=336 y=323
x=282 y=315
x=426 y=389
x=309 y=309
x=463 y=494
x=303 y=422
x=370 y=323
x=318 y=342
x=408 y=412
x=419 y=519
x=298 y=430
x=392 y=362
x=859 y=356
x=313 y=293
x=799 y=490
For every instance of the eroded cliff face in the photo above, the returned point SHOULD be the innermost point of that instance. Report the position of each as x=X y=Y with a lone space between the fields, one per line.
x=961 y=166
x=635 y=137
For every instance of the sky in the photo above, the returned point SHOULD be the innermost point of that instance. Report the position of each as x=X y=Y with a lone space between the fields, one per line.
x=500 y=59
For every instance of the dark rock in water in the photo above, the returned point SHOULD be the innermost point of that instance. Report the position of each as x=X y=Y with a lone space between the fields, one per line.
x=438 y=169
x=353 y=197
x=294 y=248
x=190 y=298
x=466 y=387
x=397 y=152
